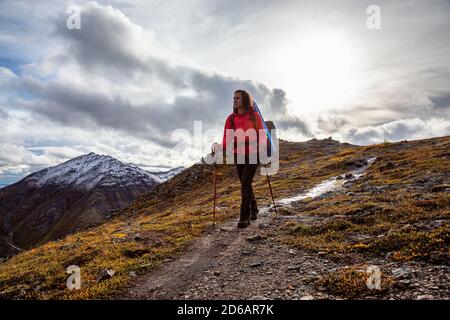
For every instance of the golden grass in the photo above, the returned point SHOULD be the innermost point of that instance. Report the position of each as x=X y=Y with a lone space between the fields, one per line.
x=162 y=223
x=393 y=220
x=351 y=282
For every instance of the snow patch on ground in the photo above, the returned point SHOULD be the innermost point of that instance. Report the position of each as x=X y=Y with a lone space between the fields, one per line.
x=328 y=185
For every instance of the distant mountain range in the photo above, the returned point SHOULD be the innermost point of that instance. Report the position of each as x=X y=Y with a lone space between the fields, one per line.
x=73 y=195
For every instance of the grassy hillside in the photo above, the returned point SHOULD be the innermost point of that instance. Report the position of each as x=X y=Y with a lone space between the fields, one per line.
x=388 y=210
x=399 y=208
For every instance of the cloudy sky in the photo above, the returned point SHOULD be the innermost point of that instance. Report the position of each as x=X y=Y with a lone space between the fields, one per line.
x=131 y=81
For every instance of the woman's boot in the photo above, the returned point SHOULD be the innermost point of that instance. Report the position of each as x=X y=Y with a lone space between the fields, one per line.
x=244 y=220
x=254 y=210
x=243 y=223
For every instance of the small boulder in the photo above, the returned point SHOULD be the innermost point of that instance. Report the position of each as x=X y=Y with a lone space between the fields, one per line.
x=425 y=297
x=389 y=165
x=404 y=283
x=294 y=268
x=138 y=237
x=256 y=264
x=400 y=272
x=105 y=274
x=255 y=237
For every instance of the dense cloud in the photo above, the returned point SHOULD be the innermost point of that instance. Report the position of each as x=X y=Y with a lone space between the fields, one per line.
x=331 y=123
x=108 y=42
x=441 y=103
x=3 y=115
x=296 y=124
x=407 y=129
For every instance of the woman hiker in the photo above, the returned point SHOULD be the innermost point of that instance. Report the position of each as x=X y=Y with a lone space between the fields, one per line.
x=246 y=118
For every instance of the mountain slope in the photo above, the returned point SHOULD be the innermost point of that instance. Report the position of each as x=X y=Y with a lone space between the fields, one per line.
x=393 y=215
x=59 y=200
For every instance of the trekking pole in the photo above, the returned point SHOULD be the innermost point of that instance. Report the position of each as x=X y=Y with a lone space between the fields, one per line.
x=214 y=209
x=271 y=194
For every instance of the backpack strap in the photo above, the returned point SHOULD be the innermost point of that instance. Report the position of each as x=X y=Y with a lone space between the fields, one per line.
x=253 y=117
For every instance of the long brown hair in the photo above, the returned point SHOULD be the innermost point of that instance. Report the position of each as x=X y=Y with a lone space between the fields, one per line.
x=248 y=103
x=246 y=99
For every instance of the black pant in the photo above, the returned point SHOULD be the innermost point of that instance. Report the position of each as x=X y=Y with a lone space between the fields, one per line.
x=246 y=174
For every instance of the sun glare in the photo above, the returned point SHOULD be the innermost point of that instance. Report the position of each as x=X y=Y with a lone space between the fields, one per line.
x=316 y=71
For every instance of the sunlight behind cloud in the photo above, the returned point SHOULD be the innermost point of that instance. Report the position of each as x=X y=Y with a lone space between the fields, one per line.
x=316 y=70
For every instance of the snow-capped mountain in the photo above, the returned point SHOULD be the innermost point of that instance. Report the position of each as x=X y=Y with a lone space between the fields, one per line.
x=73 y=195
x=94 y=170
x=162 y=176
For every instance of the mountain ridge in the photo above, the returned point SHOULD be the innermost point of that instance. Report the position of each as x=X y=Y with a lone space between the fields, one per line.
x=55 y=201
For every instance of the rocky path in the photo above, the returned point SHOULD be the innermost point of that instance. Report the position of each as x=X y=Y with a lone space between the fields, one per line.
x=228 y=262
x=231 y=263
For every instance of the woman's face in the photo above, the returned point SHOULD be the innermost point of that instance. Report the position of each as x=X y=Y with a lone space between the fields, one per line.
x=237 y=100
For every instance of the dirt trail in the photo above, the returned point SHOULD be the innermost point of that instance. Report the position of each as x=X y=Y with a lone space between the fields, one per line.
x=231 y=263
x=176 y=278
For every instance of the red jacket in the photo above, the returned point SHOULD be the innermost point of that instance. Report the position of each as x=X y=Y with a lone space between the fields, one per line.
x=244 y=122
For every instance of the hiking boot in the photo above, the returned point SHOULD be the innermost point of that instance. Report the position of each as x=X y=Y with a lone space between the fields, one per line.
x=243 y=223
x=254 y=209
x=254 y=215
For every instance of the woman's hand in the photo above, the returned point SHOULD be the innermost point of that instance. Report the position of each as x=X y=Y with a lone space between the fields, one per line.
x=215 y=147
